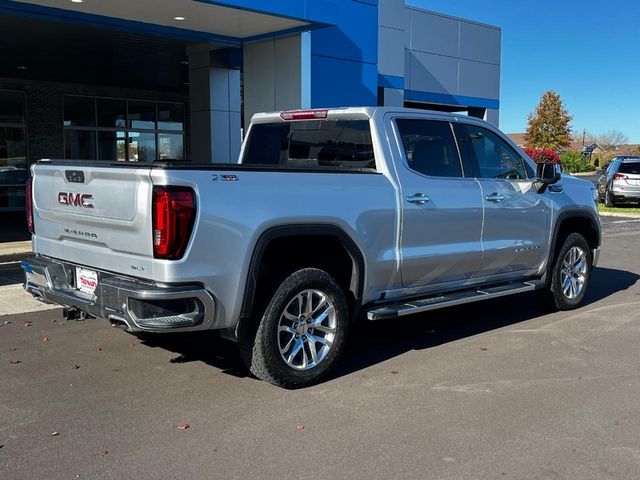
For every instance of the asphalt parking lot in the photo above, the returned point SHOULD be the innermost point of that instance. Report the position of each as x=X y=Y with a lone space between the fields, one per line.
x=499 y=389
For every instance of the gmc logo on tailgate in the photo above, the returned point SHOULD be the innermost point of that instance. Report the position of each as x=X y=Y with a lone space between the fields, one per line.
x=84 y=200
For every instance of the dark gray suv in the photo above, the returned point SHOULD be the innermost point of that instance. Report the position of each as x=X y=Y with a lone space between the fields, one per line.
x=620 y=183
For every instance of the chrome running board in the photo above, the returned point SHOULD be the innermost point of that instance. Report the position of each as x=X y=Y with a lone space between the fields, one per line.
x=420 y=305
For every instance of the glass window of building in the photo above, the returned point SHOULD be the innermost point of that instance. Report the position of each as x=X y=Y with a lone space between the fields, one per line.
x=14 y=168
x=112 y=129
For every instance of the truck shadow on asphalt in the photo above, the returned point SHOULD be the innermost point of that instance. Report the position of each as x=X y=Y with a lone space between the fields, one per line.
x=375 y=342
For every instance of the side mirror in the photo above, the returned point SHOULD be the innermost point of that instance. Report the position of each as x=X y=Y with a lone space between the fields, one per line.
x=547 y=174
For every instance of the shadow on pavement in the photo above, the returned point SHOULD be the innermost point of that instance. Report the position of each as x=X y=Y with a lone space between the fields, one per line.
x=375 y=342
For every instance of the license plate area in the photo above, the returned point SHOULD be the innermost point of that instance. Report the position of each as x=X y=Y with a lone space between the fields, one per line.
x=86 y=280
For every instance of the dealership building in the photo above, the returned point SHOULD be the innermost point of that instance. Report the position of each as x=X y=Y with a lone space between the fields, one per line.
x=154 y=80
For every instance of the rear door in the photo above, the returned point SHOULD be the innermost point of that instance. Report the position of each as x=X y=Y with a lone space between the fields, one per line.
x=516 y=217
x=441 y=210
x=94 y=216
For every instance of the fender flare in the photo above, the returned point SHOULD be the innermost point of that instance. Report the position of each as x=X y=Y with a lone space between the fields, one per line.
x=570 y=214
x=294 y=230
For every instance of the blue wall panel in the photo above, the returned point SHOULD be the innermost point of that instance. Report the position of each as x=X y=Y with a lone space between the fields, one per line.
x=344 y=58
x=336 y=82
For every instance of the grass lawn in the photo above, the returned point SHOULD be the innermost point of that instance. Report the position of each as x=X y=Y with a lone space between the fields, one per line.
x=604 y=209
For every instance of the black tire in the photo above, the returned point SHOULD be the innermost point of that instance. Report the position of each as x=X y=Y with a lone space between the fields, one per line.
x=554 y=294
x=261 y=349
x=607 y=200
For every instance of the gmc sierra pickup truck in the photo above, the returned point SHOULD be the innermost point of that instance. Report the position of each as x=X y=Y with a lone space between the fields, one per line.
x=329 y=216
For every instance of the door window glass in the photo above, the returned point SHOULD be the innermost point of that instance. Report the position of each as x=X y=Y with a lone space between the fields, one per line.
x=11 y=107
x=142 y=115
x=429 y=147
x=80 y=144
x=491 y=156
x=79 y=111
x=111 y=146
x=111 y=113
x=113 y=129
x=170 y=146
x=13 y=151
x=170 y=116
x=142 y=147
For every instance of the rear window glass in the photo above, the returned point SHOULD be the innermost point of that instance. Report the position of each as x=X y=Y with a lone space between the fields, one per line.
x=313 y=143
x=630 y=167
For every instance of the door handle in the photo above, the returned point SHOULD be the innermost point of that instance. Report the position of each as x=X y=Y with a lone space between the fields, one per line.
x=494 y=197
x=418 y=199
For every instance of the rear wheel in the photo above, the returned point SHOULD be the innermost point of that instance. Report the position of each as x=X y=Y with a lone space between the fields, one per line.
x=302 y=331
x=571 y=273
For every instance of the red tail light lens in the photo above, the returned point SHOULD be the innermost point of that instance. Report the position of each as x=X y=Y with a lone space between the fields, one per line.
x=30 y=206
x=174 y=211
x=619 y=176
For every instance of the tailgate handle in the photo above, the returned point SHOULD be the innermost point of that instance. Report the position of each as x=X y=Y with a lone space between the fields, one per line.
x=74 y=176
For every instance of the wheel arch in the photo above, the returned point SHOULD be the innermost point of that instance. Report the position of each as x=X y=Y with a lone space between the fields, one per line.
x=578 y=221
x=290 y=233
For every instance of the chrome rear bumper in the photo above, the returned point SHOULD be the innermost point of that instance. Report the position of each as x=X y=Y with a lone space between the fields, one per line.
x=126 y=302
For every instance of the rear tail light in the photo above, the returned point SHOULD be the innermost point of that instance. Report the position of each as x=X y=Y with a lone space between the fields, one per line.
x=304 y=114
x=174 y=212
x=619 y=176
x=30 y=206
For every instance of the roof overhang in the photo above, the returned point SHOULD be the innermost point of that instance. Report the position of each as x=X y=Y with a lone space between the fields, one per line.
x=200 y=20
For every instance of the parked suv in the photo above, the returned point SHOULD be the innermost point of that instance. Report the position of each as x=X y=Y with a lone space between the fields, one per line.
x=620 y=183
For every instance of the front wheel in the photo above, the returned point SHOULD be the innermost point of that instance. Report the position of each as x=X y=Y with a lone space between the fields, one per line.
x=571 y=273
x=302 y=331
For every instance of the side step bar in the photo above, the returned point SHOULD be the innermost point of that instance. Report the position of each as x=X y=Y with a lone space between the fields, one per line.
x=447 y=300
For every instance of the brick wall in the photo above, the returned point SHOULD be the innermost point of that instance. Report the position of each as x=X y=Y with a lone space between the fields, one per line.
x=45 y=135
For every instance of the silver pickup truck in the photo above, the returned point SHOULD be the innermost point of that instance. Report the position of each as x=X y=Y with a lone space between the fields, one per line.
x=329 y=216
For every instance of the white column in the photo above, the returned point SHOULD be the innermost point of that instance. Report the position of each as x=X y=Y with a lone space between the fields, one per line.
x=214 y=99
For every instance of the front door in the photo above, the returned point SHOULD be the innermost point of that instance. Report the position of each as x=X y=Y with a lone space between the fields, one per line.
x=441 y=210
x=516 y=216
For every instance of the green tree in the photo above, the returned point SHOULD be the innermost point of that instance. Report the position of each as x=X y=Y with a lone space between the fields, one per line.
x=550 y=124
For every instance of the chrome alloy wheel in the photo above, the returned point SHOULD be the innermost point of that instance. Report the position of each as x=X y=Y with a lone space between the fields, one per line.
x=573 y=272
x=306 y=329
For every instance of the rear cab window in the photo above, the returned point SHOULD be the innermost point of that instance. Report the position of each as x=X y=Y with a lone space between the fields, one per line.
x=340 y=144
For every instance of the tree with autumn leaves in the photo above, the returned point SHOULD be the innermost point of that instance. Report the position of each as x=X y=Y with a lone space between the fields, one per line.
x=550 y=125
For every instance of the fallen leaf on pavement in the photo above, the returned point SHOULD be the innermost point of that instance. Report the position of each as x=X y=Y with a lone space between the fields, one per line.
x=54 y=434
x=15 y=362
x=132 y=344
x=98 y=349
x=394 y=372
x=182 y=426
x=75 y=367
x=300 y=427
x=12 y=349
x=27 y=323
x=102 y=453
x=45 y=339
x=484 y=349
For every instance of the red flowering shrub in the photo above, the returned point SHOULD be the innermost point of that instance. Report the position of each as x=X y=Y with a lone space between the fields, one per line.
x=542 y=155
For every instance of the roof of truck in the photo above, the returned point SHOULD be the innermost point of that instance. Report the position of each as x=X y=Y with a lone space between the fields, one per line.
x=344 y=113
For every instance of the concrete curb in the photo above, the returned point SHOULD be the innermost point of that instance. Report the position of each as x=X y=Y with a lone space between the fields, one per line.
x=14 y=251
x=620 y=215
x=585 y=174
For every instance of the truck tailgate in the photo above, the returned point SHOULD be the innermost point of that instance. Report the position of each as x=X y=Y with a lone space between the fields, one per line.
x=94 y=216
